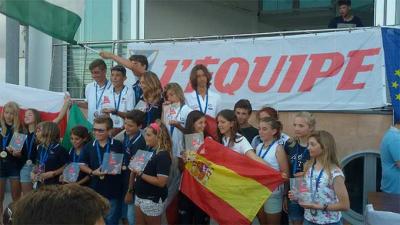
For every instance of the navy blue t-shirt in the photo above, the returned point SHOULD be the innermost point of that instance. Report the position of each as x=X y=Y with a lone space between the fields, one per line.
x=159 y=164
x=338 y=20
x=29 y=150
x=297 y=155
x=73 y=157
x=9 y=160
x=111 y=186
x=153 y=112
x=131 y=146
x=53 y=157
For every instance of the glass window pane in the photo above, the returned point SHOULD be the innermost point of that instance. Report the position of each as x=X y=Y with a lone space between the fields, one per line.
x=286 y=15
x=97 y=21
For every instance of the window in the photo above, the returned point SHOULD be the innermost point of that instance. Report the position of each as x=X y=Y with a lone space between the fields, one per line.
x=363 y=174
x=286 y=15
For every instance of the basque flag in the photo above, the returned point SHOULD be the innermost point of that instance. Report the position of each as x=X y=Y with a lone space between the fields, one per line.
x=391 y=46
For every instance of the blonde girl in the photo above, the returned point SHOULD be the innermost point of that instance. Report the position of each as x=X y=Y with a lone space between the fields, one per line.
x=152 y=97
x=151 y=184
x=175 y=112
x=10 y=163
x=325 y=180
x=297 y=152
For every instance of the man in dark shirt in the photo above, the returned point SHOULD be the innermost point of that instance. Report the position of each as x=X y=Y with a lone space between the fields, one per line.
x=243 y=111
x=346 y=19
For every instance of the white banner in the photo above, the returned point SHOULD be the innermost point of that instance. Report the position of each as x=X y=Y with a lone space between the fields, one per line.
x=27 y=97
x=327 y=71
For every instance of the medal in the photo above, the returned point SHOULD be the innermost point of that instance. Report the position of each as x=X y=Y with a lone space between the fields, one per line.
x=102 y=177
x=29 y=162
x=96 y=114
x=3 y=154
x=123 y=167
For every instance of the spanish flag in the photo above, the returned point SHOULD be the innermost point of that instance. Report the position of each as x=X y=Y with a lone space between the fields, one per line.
x=228 y=186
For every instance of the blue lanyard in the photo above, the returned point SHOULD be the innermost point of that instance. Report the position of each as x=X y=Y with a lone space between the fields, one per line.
x=198 y=101
x=99 y=158
x=128 y=143
x=5 y=139
x=171 y=128
x=75 y=157
x=262 y=148
x=44 y=154
x=98 y=100
x=137 y=90
x=29 y=145
x=316 y=182
x=148 y=114
x=116 y=105
x=296 y=157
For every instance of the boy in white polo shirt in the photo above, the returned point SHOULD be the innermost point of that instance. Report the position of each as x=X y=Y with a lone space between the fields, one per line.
x=118 y=100
x=94 y=91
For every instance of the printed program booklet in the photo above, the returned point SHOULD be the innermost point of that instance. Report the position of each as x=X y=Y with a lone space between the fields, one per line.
x=112 y=163
x=140 y=160
x=17 y=141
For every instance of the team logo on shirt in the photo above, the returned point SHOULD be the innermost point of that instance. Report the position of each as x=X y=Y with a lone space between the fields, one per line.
x=106 y=100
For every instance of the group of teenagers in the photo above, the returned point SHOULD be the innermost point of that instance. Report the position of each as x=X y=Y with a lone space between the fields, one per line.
x=130 y=118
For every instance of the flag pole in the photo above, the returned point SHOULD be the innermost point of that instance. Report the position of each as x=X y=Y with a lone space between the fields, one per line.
x=89 y=48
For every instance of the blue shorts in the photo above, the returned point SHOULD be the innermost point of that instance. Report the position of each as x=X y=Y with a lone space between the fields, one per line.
x=25 y=174
x=9 y=169
x=295 y=211
x=274 y=204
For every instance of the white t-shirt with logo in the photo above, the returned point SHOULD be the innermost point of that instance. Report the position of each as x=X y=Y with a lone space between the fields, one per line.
x=241 y=145
x=214 y=100
x=180 y=115
x=92 y=95
x=110 y=101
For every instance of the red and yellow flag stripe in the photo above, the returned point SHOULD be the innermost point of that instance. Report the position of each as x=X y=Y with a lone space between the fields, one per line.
x=230 y=187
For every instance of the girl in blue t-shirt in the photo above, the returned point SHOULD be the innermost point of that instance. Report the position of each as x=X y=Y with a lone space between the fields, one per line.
x=52 y=158
x=298 y=154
